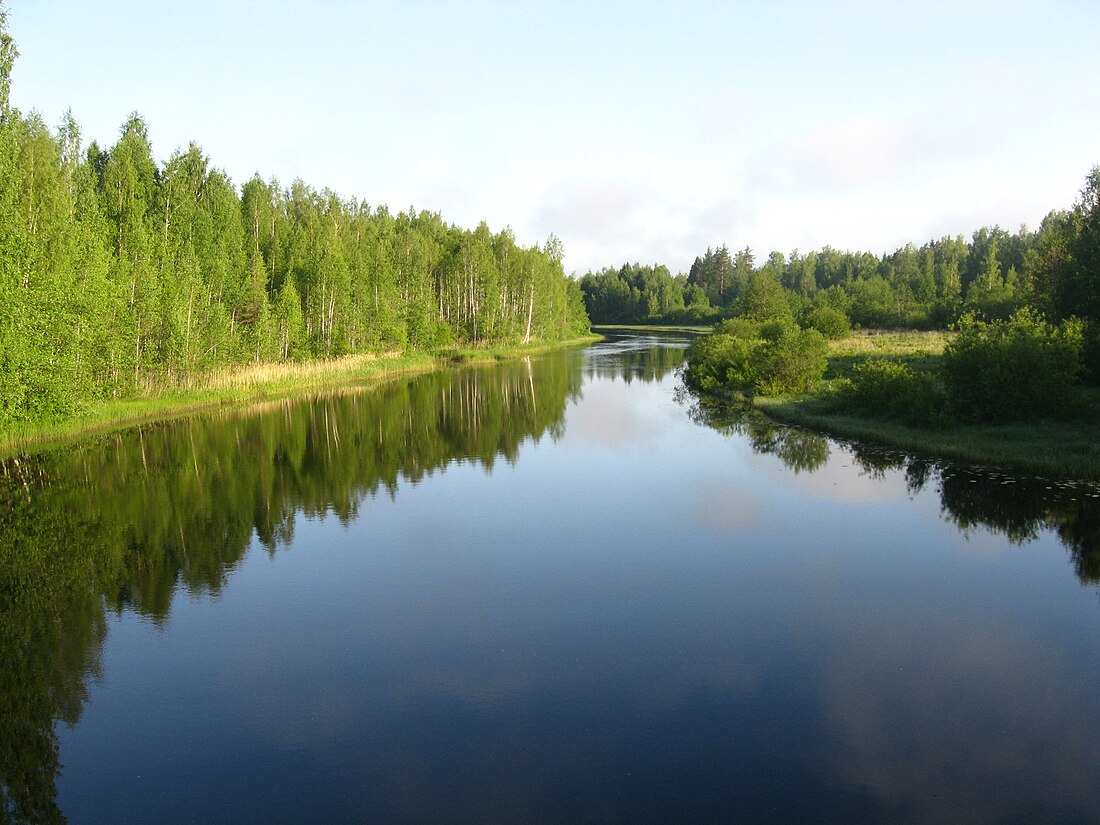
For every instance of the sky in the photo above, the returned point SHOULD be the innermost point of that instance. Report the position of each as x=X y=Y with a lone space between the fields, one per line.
x=634 y=131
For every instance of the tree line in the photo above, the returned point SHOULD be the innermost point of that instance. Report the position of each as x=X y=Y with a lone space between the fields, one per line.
x=120 y=273
x=1054 y=270
x=1026 y=308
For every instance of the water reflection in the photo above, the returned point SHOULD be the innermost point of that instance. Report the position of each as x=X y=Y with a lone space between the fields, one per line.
x=635 y=356
x=799 y=450
x=1017 y=507
x=123 y=522
x=630 y=630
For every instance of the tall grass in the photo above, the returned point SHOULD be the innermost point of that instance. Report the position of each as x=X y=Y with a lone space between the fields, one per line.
x=890 y=342
x=246 y=385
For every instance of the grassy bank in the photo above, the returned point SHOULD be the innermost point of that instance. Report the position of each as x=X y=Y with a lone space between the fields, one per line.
x=247 y=385
x=1062 y=448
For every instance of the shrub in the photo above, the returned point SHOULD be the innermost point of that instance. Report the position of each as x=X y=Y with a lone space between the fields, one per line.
x=1090 y=353
x=830 y=322
x=875 y=386
x=775 y=358
x=880 y=387
x=738 y=328
x=722 y=363
x=791 y=362
x=1019 y=369
x=776 y=328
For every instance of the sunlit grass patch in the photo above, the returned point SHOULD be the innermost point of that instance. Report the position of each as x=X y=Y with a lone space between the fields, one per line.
x=249 y=384
x=918 y=350
x=891 y=342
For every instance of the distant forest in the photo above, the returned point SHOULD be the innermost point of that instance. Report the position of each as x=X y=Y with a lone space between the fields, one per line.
x=1055 y=270
x=119 y=274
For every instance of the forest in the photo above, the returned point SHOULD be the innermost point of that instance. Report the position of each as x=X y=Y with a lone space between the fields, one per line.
x=1020 y=315
x=121 y=274
x=1054 y=270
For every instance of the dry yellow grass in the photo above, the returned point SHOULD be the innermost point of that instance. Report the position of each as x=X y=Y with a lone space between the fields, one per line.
x=248 y=385
x=218 y=388
x=348 y=367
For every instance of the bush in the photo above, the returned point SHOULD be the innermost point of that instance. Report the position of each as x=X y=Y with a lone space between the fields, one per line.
x=738 y=328
x=790 y=362
x=1019 y=369
x=1090 y=353
x=719 y=362
x=879 y=387
x=830 y=322
x=776 y=328
x=876 y=385
x=774 y=358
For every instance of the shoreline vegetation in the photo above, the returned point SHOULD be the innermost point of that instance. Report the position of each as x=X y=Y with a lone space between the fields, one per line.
x=256 y=383
x=122 y=274
x=1056 y=449
x=1008 y=373
x=1067 y=447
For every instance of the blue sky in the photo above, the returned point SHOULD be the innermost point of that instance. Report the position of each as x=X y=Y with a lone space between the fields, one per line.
x=634 y=131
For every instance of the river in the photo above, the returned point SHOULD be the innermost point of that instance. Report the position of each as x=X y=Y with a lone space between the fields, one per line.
x=557 y=589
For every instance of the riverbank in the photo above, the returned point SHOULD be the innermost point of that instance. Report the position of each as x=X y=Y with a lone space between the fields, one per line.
x=1063 y=449
x=1068 y=448
x=248 y=385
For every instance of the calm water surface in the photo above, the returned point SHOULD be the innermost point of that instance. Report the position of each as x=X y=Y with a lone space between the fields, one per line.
x=552 y=590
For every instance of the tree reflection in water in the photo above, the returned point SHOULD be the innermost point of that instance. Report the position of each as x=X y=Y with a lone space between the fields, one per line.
x=122 y=522
x=1018 y=507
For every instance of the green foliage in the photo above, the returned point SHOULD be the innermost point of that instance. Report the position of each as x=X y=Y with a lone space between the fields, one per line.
x=722 y=363
x=774 y=329
x=119 y=275
x=722 y=278
x=764 y=298
x=772 y=358
x=1078 y=291
x=8 y=53
x=879 y=387
x=1090 y=352
x=829 y=321
x=1020 y=369
x=637 y=294
x=992 y=275
x=791 y=362
x=738 y=328
x=874 y=302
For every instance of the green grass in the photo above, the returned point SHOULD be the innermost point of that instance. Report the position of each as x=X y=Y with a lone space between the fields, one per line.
x=252 y=384
x=914 y=348
x=1067 y=448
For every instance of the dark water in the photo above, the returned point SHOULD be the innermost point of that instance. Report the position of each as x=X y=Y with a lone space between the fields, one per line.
x=546 y=591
